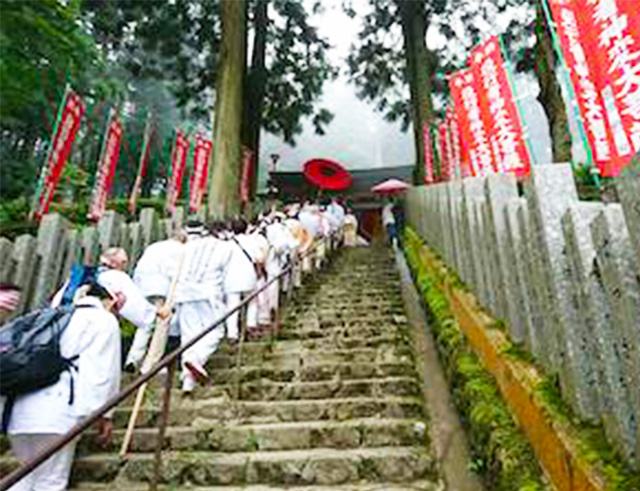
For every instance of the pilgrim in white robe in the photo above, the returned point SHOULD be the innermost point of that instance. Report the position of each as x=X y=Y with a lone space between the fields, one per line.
x=240 y=280
x=200 y=301
x=38 y=418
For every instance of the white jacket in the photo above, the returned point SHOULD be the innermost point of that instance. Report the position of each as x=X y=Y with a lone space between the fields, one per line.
x=157 y=267
x=241 y=273
x=94 y=336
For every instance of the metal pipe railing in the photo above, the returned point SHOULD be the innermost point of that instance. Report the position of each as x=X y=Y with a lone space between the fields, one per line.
x=167 y=361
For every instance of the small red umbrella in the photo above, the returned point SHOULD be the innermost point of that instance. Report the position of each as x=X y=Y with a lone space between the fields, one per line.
x=327 y=174
x=390 y=186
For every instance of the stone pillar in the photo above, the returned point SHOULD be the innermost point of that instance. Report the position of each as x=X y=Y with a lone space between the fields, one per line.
x=550 y=191
x=109 y=229
x=595 y=354
x=517 y=273
x=616 y=265
x=471 y=194
x=24 y=257
x=454 y=189
x=135 y=242
x=6 y=246
x=90 y=245
x=628 y=185
x=491 y=271
x=71 y=251
x=499 y=189
x=52 y=232
x=177 y=219
x=479 y=222
x=533 y=273
x=149 y=224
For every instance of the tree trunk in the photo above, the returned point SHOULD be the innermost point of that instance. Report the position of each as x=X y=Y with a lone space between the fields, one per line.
x=550 y=94
x=418 y=70
x=256 y=82
x=224 y=192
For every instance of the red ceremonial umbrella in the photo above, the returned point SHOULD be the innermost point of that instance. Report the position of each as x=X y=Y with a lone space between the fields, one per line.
x=327 y=174
x=390 y=186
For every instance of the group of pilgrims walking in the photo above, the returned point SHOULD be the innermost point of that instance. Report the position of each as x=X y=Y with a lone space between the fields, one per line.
x=187 y=282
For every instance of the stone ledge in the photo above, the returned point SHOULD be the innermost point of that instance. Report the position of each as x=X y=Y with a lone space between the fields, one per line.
x=553 y=443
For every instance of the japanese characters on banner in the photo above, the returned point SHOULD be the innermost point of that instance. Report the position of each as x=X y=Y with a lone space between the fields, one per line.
x=465 y=95
x=106 y=167
x=428 y=153
x=461 y=166
x=64 y=133
x=178 y=162
x=498 y=109
x=198 y=180
x=142 y=167
x=443 y=151
x=247 y=174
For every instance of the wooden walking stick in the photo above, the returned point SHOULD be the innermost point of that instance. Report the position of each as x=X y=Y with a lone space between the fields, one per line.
x=154 y=353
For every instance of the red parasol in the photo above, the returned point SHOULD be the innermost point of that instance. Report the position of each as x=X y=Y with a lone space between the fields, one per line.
x=327 y=174
x=390 y=186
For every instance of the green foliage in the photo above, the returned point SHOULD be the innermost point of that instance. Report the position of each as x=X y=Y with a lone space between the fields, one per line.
x=501 y=453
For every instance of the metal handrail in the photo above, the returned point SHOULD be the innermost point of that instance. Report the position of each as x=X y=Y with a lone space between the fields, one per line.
x=14 y=476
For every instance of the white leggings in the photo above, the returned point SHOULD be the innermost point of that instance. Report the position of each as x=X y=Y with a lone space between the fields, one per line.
x=233 y=300
x=53 y=473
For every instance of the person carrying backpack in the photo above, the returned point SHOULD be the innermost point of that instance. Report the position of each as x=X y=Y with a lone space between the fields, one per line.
x=90 y=343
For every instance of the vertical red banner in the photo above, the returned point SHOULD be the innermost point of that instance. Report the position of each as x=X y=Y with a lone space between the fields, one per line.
x=198 y=180
x=443 y=150
x=612 y=40
x=499 y=110
x=106 y=168
x=428 y=153
x=64 y=134
x=582 y=65
x=473 y=133
x=247 y=174
x=461 y=165
x=178 y=162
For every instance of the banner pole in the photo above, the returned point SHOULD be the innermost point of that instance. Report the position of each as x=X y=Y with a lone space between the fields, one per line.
x=573 y=99
x=512 y=84
x=45 y=168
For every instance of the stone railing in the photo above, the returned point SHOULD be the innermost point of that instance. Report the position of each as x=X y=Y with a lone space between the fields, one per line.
x=563 y=275
x=39 y=265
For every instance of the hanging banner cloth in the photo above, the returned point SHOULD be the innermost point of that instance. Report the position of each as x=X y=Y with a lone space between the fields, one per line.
x=498 y=109
x=198 y=179
x=178 y=163
x=64 y=133
x=106 y=167
x=327 y=174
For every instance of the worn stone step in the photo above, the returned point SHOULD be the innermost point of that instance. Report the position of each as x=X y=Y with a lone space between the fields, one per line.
x=379 y=486
x=184 y=412
x=382 y=354
x=323 y=466
x=211 y=435
x=312 y=373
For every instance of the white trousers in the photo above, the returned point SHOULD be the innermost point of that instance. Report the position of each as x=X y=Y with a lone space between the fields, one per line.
x=53 y=473
x=193 y=318
x=267 y=301
x=233 y=300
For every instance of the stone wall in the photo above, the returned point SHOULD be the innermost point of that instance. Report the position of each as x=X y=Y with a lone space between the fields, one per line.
x=564 y=276
x=39 y=265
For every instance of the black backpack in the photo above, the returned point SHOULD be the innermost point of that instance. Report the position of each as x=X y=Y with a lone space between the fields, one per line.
x=30 y=357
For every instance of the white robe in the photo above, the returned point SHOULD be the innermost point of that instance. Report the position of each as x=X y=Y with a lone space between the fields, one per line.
x=94 y=336
x=241 y=274
x=157 y=267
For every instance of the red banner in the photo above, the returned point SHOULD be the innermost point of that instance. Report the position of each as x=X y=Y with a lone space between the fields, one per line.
x=461 y=167
x=142 y=167
x=443 y=150
x=473 y=133
x=247 y=174
x=498 y=108
x=428 y=153
x=612 y=39
x=198 y=180
x=64 y=134
x=106 y=168
x=178 y=162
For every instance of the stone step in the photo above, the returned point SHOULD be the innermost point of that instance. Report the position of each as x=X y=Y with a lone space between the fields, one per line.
x=382 y=354
x=320 y=466
x=211 y=435
x=312 y=373
x=184 y=412
x=380 y=486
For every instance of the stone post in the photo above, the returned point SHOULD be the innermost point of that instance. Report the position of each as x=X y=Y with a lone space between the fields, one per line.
x=471 y=194
x=628 y=185
x=52 y=233
x=90 y=245
x=109 y=229
x=24 y=256
x=6 y=246
x=149 y=224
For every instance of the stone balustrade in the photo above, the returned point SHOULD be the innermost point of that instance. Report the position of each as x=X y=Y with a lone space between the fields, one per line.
x=563 y=274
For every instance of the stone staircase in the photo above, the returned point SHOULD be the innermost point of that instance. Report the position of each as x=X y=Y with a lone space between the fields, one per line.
x=332 y=404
